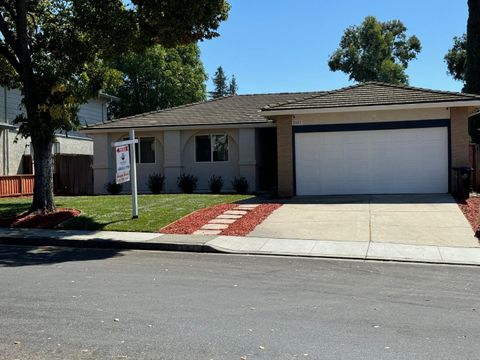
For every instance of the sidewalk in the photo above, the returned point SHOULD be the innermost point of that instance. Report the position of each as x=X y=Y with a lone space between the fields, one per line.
x=243 y=245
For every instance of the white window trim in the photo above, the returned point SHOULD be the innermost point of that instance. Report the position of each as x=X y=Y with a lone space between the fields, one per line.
x=140 y=153
x=211 y=149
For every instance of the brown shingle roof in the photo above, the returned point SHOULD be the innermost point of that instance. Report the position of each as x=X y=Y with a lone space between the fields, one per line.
x=370 y=94
x=239 y=109
x=245 y=109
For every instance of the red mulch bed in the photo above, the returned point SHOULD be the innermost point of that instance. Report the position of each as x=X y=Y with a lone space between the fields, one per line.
x=194 y=221
x=248 y=222
x=38 y=221
x=470 y=208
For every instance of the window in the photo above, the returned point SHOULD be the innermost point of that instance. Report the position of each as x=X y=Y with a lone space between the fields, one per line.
x=210 y=148
x=147 y=150
x=146 y=155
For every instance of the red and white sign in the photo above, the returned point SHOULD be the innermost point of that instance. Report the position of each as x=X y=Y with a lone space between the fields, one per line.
x=123 y=164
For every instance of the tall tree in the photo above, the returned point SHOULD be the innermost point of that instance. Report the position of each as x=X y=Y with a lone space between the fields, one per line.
x=233 y=86
x=158 y=79
x=220 y=84
x=376 y=51
x=472 y=69
x=56 y=52
x=463 y=62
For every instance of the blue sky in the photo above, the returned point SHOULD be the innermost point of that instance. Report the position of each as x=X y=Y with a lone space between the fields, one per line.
x=284 y=45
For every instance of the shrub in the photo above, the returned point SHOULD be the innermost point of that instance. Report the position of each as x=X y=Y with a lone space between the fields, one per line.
x=187 y=182
x=155 y=183
x=240 y=184
x=113 y=188
x=215 y=184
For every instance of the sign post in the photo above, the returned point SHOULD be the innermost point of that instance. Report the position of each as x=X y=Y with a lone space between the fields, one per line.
x=133 y=166
x=127 y=167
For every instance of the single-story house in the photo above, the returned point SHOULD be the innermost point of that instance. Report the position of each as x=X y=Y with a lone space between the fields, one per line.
x=14 y=148
x=370 y=138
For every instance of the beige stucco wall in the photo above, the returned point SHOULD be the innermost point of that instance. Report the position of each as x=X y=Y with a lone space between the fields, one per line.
x=104 y=161
x=228 y=170
x=372 y=116
x=175 y=154
x=69 y=145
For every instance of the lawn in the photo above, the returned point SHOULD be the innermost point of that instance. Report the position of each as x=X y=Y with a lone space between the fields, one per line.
x=114 y=212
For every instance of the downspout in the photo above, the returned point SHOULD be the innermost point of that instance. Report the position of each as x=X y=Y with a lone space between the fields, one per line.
x=7 y=132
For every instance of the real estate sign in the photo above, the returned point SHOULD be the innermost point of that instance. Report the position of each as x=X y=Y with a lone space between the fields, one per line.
x=123 y=164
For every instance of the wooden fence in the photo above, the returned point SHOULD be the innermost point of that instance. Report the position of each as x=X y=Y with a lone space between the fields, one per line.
x=73 y=174
x=16 y=185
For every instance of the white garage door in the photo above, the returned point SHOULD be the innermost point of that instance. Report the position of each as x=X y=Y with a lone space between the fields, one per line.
x=372 y=162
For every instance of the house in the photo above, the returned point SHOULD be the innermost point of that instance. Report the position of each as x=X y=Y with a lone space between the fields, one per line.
x=14 y=149
x=370 y=138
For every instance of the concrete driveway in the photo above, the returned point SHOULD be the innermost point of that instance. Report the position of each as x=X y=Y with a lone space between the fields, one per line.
x=404 y=219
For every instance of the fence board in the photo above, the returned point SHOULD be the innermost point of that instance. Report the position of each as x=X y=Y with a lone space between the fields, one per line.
x=16 y=185
x=73 y=174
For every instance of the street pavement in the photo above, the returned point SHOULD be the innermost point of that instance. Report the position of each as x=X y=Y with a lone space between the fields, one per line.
x=66 y=303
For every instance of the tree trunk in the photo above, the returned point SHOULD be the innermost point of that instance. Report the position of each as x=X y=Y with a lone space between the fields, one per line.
x=43 y=201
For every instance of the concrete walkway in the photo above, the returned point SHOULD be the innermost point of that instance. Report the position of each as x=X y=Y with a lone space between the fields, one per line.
x=433 y=219
x=244 y=245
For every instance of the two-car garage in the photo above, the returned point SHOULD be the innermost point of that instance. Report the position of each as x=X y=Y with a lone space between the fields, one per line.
x=376 y=158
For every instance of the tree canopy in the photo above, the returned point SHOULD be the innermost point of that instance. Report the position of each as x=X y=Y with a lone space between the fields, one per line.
x=233 y=86
x=221 y=85
x=463 y=62
x=456 y=58
x=158 y=79
x=472 y=68
x=56 y=52
x=376 y=51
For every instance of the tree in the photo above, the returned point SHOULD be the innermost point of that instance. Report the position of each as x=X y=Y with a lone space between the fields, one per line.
x=472 y=68
x=56 y=52
x=233 y=86
x=158 y=79
x=463 y=61
x=376 y=51
x=220 y=83
x=456 y=58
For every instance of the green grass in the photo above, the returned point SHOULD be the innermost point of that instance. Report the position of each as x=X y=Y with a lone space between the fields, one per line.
x=114 y=212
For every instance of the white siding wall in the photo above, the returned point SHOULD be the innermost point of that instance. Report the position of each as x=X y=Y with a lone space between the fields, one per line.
x=10 y=107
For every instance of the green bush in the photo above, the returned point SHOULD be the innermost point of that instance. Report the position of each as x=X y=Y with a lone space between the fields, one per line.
x=240 y=184
x=155 y=183
x=215 y=184
x=113 y=188
x=187 y=183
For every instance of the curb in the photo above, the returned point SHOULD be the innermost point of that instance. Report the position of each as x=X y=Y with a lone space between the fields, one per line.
x=194 y=248
x=108 y=244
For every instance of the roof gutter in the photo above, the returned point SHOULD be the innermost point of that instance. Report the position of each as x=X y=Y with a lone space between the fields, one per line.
x=124 y=129
x=468 y=103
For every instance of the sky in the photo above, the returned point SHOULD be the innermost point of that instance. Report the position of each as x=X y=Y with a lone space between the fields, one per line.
x=284 y=45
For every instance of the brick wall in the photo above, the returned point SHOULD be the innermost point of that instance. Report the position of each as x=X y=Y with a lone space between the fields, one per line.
x=285 y=156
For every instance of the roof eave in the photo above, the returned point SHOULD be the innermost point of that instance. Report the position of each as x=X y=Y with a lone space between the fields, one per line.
x=466 y=103
x=122 y=129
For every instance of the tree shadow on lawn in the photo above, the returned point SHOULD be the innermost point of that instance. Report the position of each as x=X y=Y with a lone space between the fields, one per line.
x=84 y=222
x=15 y=256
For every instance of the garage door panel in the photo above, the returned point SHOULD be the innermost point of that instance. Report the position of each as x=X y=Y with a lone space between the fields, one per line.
x=372 y=162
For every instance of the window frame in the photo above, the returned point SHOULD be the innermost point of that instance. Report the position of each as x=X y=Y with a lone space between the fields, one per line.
x=137 y=149
x=211 y=135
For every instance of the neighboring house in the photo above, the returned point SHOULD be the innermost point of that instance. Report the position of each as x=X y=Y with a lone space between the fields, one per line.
x=371 y=138
x=13 y=147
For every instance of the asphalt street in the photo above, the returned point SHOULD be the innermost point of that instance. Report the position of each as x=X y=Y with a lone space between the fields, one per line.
x=60 y=303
